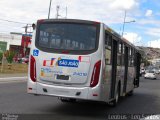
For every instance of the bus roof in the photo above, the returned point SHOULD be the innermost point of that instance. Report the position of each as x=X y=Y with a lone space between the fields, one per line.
x=69 y=20
x=120 y=37
x=90 y=22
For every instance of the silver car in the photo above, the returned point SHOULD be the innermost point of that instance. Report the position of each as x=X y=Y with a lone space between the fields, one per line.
x=150 y=74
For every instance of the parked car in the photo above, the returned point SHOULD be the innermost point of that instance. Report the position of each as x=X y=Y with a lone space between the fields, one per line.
x=25 y=59
x=17 y=59
x=156 y=70
x=150 y=74
x=147 y=70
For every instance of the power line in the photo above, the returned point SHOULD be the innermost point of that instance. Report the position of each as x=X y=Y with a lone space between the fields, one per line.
x=15 y=28
x=10 y=26
x=13 y=21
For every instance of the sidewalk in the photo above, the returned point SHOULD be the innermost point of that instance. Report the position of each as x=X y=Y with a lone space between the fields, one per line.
x=18 y=77
x=4 y=75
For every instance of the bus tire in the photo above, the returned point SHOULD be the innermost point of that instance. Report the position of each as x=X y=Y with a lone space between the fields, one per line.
x=114 y=102
x=130 y=93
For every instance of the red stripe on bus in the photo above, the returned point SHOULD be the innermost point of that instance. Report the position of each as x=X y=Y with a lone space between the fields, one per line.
x=80 y=58
x=44 y=63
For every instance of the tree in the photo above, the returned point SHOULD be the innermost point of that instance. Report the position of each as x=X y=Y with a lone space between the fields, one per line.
x=145 y=61
x=1 y=56
x=9 y=56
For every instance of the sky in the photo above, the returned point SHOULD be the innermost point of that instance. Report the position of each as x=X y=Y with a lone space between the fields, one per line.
x=144 y=31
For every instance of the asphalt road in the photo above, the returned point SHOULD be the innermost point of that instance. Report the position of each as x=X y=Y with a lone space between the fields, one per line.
x=14 y=100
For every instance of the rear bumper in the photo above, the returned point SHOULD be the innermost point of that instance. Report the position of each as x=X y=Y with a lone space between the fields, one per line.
x=85 y=93
x=62 y=91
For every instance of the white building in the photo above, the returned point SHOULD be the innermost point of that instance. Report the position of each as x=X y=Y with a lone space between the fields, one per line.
x=156 y=62
x=17 y=42
x=11 y=39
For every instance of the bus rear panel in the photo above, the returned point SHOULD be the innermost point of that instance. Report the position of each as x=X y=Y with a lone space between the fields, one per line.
x=66 y=59
x=78 y=59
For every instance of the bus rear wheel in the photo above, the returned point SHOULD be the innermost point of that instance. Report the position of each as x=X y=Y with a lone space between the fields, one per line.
x=130 y=93
x=114 y=102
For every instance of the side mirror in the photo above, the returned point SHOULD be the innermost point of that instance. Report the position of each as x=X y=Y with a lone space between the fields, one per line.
x=34 y=26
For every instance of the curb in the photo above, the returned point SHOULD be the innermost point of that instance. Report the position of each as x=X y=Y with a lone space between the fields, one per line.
x=13 y=79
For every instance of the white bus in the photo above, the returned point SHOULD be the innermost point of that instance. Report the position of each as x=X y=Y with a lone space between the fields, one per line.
x=78 y=59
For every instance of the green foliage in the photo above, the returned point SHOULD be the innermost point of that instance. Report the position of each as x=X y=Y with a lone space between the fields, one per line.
x=9 y=56
x=1 y=56
x=145 y=61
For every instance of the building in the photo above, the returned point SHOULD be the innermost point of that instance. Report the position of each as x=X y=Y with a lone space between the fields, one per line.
x=155 y=62
x=16 y=42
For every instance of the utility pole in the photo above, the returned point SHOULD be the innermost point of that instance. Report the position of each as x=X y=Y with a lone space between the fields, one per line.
x=66 y=12
x=49 y=9
x=124 y=22
x=25 y=39
x=57 y=15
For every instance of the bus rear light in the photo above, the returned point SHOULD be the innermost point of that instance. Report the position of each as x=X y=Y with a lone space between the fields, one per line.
x=33 y=68
x=95 y=74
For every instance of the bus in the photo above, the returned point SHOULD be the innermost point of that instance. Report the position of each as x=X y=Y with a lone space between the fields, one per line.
x=81 y=60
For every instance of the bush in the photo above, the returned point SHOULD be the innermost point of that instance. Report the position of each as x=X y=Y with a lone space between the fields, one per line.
x=9 y=56
x=1 y=56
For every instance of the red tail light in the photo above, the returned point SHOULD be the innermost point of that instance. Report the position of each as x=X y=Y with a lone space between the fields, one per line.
x=95 y=74
x=32 y=69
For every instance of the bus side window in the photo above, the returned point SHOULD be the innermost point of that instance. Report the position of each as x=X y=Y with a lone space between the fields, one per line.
x=108 y=56
x=119 y=55
x=128 y=56
x=132 y=57
x=123 y=50
x=108 y=41
x=120 y=47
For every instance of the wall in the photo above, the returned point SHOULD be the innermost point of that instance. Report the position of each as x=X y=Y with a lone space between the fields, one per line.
x=11 y=39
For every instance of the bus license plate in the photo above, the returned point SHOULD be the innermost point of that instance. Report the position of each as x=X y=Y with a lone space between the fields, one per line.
x=63 y=77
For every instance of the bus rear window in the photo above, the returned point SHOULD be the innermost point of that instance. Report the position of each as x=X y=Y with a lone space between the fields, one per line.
x=67 y=36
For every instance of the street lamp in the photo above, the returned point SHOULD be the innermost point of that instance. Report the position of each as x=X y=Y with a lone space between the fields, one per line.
x=126 y=22
x=49 y=9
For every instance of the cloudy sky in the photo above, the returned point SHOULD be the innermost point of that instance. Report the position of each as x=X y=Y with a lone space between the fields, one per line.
x=145 y=31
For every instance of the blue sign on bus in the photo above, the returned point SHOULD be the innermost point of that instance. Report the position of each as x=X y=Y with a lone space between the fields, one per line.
x=35 y=52
x=68 y=63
